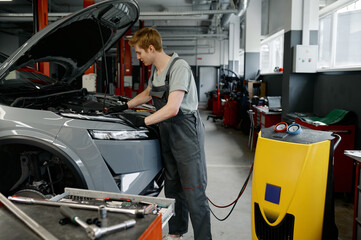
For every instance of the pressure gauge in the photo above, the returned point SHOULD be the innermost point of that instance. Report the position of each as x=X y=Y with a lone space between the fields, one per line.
x=294 y=129
x=281 y=127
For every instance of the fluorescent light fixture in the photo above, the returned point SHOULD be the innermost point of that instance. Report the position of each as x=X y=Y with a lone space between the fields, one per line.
x=6 y=0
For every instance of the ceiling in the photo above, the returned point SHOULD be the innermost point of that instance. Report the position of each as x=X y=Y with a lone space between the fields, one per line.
x=188 y=20
x=173 y=18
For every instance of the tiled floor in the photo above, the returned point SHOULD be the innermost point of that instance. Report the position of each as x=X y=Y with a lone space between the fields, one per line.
x=228 y=163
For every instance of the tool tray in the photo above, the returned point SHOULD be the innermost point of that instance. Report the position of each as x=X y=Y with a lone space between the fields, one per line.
x=49 y=216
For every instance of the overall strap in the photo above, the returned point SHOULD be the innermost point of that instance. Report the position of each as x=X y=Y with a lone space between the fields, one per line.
x=152 y=72
x=170 y=67
x=167 y=75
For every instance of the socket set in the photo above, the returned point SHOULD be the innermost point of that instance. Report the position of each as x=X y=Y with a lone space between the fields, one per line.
x=114 y=201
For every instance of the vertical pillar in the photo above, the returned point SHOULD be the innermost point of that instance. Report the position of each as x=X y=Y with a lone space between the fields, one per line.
x=87 y=3
x=301 y=28
x=43 y=14
x=40 y=17
x=252 y=44
x=128 y=81
x=120 y=68
x=234 y=37
x=35 y=16
x=141 y=67
x=89 y=80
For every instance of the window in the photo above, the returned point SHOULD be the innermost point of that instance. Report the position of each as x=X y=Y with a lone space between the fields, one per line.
x=340 y=37
x=325 y=35
x=271 y=53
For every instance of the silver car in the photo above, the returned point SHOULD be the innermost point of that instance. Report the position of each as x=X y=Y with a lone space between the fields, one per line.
x=55 y=134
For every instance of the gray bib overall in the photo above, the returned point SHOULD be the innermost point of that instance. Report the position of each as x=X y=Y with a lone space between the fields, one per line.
x=182 y=142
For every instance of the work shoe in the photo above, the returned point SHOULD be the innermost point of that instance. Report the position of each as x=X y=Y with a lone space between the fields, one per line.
x=168 y=237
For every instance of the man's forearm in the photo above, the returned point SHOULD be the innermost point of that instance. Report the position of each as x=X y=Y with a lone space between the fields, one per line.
x=141 y=98
x=160 y=115
x=169 y=110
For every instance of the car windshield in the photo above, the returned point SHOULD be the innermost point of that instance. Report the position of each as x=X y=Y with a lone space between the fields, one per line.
x=28 y=78
x=25 y=78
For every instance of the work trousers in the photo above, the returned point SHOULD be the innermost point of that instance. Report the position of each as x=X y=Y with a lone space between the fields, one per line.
x=182 y=140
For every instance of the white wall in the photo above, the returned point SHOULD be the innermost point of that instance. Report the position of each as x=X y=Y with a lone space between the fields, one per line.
x=209 y=52
x=253 y=27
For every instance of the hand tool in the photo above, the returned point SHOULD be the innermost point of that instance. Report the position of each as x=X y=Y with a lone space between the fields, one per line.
x=103 y=211
x=93 y=231
x=138 y=212
x=42 y=232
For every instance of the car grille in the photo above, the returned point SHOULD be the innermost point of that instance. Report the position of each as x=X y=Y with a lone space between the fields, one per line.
x=283 y=231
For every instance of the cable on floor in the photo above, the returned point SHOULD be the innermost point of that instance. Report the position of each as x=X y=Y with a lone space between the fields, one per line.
x=235 y=201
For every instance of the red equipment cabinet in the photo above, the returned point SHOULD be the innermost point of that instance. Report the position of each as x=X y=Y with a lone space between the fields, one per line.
x=343 y=165
x=217 y=105
x=231 y=113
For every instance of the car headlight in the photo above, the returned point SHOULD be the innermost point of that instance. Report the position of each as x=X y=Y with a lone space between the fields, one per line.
x=118 y=135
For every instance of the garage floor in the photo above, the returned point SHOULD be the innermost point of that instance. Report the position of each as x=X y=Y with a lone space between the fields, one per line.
x=228 y=164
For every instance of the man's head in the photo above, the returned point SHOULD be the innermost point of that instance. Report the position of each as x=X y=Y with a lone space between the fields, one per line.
x=145 y=37
x=147 y=42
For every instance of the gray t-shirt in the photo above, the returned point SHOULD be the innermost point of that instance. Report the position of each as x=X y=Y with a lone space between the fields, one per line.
x=180 y=78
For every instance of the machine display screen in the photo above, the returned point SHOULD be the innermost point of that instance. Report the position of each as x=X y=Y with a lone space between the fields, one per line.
x=273 y=193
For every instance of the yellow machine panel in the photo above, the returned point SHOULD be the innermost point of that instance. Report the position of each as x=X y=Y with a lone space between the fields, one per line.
x=290 y=179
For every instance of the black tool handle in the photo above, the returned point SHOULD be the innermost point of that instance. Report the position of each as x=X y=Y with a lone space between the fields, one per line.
x=67 y=212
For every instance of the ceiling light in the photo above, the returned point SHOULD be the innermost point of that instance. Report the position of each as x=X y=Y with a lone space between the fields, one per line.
x=6 y=0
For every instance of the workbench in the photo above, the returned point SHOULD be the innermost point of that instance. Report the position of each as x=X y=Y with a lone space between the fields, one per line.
x=263 y=118
x=343 y=166
x=149 y=227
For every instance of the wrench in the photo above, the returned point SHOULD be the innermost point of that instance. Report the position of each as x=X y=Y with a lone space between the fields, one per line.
x=138 y=212
x=93 y=231
x=38 y=229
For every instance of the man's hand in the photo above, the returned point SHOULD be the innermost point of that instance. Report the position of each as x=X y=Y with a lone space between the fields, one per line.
x=135 y=119
x=116 y=109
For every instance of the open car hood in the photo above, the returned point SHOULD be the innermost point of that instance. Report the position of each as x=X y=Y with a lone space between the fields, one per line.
x=77 y=40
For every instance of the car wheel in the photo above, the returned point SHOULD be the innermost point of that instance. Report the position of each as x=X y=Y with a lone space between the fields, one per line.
x=33 y=170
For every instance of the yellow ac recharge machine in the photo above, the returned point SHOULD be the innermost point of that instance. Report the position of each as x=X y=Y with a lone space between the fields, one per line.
x=292 y=186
